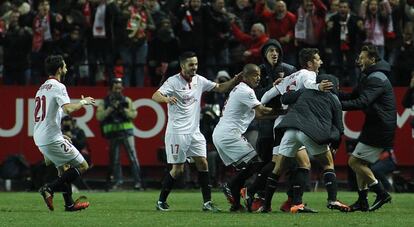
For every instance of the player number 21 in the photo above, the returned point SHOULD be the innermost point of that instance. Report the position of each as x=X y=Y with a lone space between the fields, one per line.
x=174 y=149
x=40 y=103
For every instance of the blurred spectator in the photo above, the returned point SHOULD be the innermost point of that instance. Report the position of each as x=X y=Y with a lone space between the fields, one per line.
x=377 y=22
x=280 y=25
x=156 y=13
x=47 y=29
x=163 y=53
x=104 y=20
x=345 y=31
x=405 y=67
x=393 y=39
x=333 y=9
x=218 y=36
x=72 y=48
x=133 y=37
x=191 y=29
x=252 y=42
x=310 y=26
x=16 y=42
x=244 y=12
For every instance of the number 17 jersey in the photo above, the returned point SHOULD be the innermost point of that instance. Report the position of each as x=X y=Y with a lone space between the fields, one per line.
x=50 y=97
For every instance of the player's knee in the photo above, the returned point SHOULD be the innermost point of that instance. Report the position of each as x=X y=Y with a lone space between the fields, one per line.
x=201 y=164
x=352 y=162
x=177 y=171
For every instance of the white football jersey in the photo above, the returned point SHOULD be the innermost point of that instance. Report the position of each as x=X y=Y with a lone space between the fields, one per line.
x=238 y=112
x=300 y=79
x=50 y=97
x=295 y=81
x=184 y=116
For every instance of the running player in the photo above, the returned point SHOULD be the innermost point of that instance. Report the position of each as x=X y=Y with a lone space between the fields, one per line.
x=51 y=102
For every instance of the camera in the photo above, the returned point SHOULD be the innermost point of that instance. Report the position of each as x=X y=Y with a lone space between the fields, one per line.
x=118 y=102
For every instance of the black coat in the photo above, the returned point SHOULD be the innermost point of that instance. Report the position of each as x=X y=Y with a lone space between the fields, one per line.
x=315 y=113
x=375 y=97
x=269 y=74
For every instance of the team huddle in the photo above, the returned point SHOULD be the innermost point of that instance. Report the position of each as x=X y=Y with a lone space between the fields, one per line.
x=307 y=121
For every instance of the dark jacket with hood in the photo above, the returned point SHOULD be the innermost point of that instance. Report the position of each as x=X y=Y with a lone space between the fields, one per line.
x=269 y=74
x=317 y=114
x=375 y=97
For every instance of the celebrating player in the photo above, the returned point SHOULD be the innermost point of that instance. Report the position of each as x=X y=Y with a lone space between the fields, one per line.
x=51 y=102
x=183 y=139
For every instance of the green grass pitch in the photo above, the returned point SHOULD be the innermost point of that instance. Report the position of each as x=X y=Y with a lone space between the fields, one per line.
x=138 y=209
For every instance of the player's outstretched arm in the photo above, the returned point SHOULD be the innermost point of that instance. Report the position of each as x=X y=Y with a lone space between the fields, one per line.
x=72 y=107
x=226 y=86
x=158 y=97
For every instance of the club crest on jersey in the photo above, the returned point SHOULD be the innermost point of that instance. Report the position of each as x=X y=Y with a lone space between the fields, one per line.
x=188 y=100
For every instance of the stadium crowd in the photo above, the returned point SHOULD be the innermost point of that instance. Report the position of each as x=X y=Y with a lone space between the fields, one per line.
x=140 y=40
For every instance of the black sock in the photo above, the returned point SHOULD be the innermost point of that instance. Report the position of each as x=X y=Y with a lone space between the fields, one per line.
x=166 y=187
x=329 y=177
x=301 y=174
x=67 y=195
x=378 y=188
x=237 y=182
x=270 y=189
x=290 y=181
x=67 y=177
x=260 y=181
x=204 y=181
x=363 y=194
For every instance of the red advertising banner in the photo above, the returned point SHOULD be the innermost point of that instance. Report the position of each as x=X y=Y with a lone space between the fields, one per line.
x=16 y=125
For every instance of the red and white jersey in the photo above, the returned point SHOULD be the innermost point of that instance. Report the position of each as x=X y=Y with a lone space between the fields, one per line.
x=184 y=116
x=295 y=81
x=50 y=97
x=300 y=79
x=238 y=112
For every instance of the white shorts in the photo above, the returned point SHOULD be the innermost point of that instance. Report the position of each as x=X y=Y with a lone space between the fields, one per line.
x=368 y=153
x=179 y=147
x=294 y=139
x=62 y=152
x=232 y=147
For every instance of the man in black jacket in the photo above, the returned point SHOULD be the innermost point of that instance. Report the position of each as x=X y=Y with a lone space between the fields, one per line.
x=272 y=69
x=314 y=120
x=374 y=96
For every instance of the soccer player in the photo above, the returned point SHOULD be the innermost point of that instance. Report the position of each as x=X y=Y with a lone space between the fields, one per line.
x=51 y=102
x=305 y=78
x=241 y=108
x=183 y=139
x=375 y=97
x=314 y=120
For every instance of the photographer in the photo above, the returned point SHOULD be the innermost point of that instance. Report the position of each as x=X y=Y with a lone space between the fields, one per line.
x=77 y=136
x=116 y=115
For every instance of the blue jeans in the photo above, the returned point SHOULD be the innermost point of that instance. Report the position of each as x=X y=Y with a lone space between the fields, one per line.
x=129 y=145
x=134 y=59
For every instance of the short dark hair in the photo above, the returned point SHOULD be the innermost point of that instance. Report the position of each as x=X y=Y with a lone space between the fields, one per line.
x=307 y=54
x=53 y=63
x=249 y=68
x=372 y=51
x=186 y=55
x=115 y=81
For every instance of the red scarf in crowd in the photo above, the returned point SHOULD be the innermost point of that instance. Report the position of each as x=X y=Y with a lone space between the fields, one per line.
x=37 y=41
